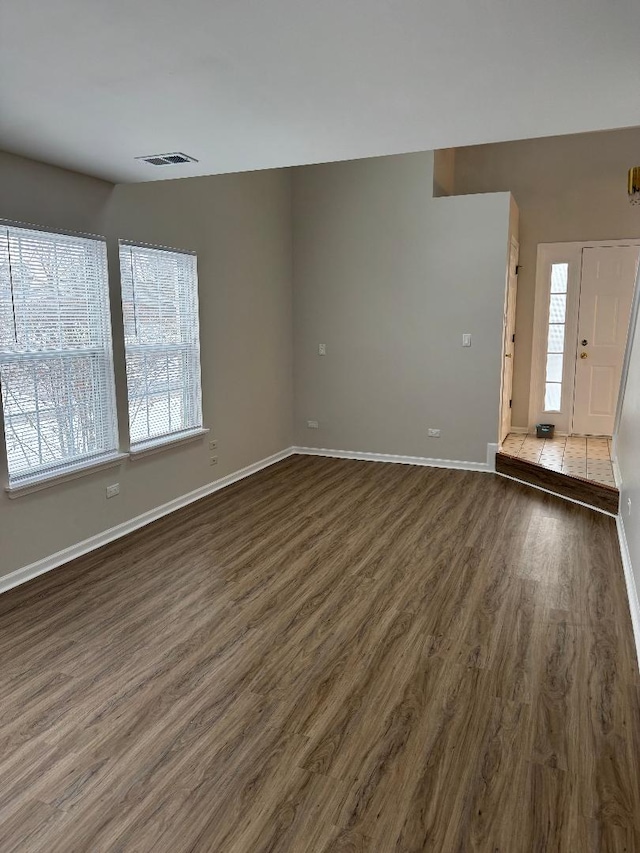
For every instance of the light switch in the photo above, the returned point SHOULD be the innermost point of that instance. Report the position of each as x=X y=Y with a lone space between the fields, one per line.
x=466 y=340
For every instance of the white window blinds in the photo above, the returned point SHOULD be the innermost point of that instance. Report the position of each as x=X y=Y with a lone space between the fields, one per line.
x=162 y=342
x=56 y=366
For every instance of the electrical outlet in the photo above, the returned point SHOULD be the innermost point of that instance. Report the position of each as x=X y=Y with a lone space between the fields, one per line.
x=629 y=507
x=312 y=425
x=213 y=460
x=213 y=444
x=113 y=490
x=433 y=433
x=322 y=349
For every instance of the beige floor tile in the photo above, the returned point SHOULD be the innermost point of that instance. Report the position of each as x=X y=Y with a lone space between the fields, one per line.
x=574 y=471
x=552 y=466
x=576 y=456
x=600 y=472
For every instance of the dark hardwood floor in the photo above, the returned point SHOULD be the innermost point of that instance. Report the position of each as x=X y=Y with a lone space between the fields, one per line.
x=589 y=492
x=329 y=656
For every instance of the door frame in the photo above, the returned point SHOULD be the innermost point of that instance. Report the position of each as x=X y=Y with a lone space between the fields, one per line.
x=547 y=254
x=514 y=248
x=634 y=319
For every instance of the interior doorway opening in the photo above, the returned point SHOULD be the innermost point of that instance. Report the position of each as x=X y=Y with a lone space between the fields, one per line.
x=583 y=306
x=509 y=337
x=584 y=294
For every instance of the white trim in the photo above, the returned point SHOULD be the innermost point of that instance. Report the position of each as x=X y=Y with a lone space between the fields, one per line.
x=532 y=432
x=46 y=229
x=555 y=494
x=631 y=333
x=46 y=481
x=632 y=591
x=617 y=476
x=402 y=460
x=597 y=244
x=20 y=576
x=513 y=254
x=137 y=244
x=166 y=443
x=547 y=255
x=492 y=449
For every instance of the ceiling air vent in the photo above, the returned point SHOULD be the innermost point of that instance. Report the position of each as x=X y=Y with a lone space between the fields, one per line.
x=172 y=159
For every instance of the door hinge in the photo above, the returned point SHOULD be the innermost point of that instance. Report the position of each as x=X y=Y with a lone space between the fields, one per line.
x=513 y=338
x=510 y=402
x=517 y=268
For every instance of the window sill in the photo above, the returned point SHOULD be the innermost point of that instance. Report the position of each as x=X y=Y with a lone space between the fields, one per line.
x=37 y=484
x=166 y=443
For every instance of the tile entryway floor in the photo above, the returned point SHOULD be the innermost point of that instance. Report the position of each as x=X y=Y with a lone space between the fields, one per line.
x=578 y=456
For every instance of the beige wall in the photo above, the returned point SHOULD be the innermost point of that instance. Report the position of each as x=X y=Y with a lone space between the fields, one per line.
x=444 y=172
x=567 y=188
x=40 y=194
x=240 y=226
x=628 y=456
x=390 y=278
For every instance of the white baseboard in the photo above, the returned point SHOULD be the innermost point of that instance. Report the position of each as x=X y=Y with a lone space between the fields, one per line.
x=25 y=574
x=617 y=476
x=632 y=591
x=402 y=460
x=492 y=449
x=532 y=431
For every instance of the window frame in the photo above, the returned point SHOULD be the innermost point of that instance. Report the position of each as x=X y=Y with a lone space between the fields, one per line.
x=549 y=254
x=33 y=480
x=141 y=448
x=562 y=351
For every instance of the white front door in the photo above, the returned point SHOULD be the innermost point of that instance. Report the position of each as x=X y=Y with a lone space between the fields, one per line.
x=606 y=294
x=508 y=345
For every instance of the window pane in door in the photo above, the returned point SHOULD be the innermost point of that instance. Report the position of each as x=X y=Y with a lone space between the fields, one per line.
x=555 y=341
x=554 y=368
x=556 y=330
x=559 y=278
x=552 y=397
x=557 y=307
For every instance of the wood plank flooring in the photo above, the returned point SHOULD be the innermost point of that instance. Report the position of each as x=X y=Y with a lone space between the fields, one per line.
x=589 y=492
x=329 y=656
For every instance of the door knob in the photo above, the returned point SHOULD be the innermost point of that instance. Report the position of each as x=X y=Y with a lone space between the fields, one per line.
x=584 y=342
x=583 y=355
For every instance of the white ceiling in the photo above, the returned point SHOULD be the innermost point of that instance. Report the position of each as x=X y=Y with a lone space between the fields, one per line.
x=251 y=84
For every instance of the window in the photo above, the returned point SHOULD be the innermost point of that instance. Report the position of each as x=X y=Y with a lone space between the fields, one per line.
x=56 y=366
x=555 y=337
x=160 y=309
